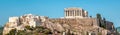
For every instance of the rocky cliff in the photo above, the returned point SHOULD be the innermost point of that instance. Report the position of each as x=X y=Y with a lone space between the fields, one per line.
x=59 y=26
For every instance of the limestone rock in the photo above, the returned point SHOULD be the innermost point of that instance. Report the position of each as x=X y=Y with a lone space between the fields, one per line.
x=76 y=26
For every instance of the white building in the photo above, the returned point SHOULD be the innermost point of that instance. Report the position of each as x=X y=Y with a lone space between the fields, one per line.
x=32 y=20
x=13 y=21
x=75 y=13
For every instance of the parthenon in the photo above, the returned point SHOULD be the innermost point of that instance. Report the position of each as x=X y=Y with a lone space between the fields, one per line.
x=75 y=13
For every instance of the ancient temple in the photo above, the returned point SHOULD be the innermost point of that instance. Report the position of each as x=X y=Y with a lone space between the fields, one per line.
x=75 y=13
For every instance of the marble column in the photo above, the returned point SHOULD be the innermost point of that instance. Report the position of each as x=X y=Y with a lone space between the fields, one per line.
x=74 y=12
x=81 y=13
x=70 y=13
x=66 y=13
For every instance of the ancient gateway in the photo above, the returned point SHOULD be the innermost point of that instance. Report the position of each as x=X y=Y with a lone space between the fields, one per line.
x=75 y=21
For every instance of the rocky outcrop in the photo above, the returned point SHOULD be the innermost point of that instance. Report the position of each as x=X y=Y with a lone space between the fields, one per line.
x=59 y=26
x=20 y=22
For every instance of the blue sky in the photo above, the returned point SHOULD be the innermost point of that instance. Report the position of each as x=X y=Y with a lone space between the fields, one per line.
x=110 y=9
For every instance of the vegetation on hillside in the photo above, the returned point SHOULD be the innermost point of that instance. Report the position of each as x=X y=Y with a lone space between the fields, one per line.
x=39 y=30
x=31 y=31
x=118 y=29
x=101 y=23
x=1 y=30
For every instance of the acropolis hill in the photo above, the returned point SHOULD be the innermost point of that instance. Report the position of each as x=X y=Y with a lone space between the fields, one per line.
x=75 y=22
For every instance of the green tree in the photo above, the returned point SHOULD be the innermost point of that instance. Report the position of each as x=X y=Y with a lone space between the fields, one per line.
x=1 y=30
x=36 y=31
x=43 y=30
x=104 y=23
x=99 y=33
x=47 y=31
x=12 y=32
x=90 y=16
x=21 y=32
x=99 y=18
x=29 y=28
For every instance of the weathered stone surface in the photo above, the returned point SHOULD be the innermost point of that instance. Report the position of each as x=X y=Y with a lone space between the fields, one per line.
x=77 y=26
